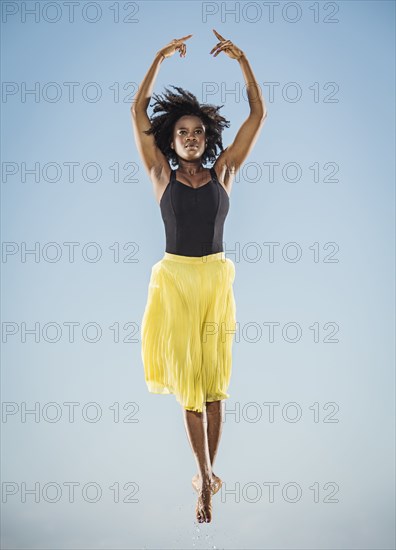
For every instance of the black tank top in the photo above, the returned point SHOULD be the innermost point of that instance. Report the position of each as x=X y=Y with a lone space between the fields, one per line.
x=194 y=217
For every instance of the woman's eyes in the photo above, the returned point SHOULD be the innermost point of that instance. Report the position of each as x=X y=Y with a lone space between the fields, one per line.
x=184 y=131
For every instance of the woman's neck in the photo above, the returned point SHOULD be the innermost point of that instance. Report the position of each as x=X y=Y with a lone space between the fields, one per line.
x=191 y=168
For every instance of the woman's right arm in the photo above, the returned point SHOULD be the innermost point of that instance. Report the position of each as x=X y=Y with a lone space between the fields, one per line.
x=151 y=155
x=153 y=159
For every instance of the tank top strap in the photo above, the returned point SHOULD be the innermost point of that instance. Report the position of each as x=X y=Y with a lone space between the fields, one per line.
x=213 y=174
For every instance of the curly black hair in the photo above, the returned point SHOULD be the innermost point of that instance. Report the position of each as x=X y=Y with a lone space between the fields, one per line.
x=173 y=106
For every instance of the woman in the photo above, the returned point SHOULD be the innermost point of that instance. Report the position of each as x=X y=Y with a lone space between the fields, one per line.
x=189 y=320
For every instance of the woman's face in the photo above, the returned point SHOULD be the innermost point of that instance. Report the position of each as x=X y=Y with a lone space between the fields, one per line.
x=189 y=138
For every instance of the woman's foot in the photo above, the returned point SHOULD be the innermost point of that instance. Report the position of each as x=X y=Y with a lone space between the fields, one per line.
x=216 y=483
x=203 y=509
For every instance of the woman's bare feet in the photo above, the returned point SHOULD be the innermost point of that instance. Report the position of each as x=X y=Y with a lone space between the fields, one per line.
x=216 y=483
x=203 y=509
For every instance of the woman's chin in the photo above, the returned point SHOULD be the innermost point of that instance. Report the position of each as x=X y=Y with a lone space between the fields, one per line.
x=189 y=154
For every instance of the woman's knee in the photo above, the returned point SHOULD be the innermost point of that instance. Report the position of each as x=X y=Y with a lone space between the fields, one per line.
x=213 y=406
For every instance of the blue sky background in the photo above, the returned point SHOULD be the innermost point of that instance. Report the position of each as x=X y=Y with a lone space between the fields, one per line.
x=337 y=207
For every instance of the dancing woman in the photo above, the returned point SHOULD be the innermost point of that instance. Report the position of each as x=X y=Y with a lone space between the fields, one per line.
x=190 y=315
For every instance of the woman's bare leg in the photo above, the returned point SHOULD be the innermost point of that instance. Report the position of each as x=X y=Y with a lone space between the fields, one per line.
x=195 y=424
x=214 y=414
x=214 y=422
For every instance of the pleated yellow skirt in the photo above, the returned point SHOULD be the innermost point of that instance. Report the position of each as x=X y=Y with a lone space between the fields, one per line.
x=188 y=328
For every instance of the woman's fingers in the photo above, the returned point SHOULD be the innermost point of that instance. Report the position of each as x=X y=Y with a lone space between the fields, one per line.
x=184 y=38
x=220 y=50
x=177 y=44
x=181 y=48
x=223 y=40
x=221 y=47
x=226 y=42
x=218 y=35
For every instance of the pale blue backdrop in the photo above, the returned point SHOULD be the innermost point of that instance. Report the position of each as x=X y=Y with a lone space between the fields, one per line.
x=81 y=230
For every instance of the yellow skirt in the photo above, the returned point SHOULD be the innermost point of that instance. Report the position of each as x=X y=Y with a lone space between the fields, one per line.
x=188 y=328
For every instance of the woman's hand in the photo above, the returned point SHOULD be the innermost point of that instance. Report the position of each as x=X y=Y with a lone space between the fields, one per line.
x=175 y=45
x=227 y=47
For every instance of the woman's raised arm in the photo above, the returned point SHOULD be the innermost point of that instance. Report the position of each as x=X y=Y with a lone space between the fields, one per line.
x=234 y=155
x=151 y=155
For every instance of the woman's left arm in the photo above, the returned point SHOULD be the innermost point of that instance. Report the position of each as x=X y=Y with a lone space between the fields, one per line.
x=237 y=152
x=255 y=96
